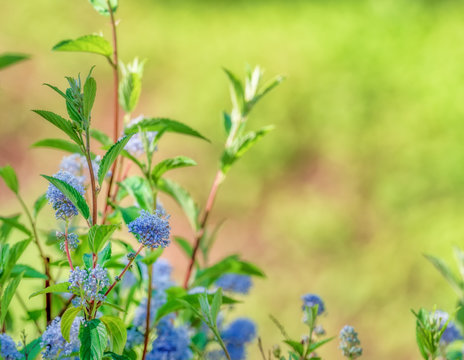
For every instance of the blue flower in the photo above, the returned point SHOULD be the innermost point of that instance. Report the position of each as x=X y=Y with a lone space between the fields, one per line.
x=151 y=230
x=452 y=332
x=135 y=146
x=134 y=338
x=311 y=300
x=172 y=343
x=162 y=270
x=76 y=164
x=55 y=346
x=64 y=208
x=8 y=349
x=349 y=343
x=235 y=283
x=239 y=332
x=73 y=241
x=89 y=283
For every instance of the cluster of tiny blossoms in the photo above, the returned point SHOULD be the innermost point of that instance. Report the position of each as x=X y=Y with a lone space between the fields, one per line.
x=349 y=343
x=64 y=208
x=8 y=350
x=135 y=146
x=235 y=283
x=152 y=230
x=55 y=346
x=87 y=284
x=76 y=164
x=171 y=342
x=71 y=238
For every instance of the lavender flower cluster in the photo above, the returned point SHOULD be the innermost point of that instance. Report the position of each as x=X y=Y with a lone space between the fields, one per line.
x=151 y=230
x=55 y=346
x=64 y=208
x=87 y=284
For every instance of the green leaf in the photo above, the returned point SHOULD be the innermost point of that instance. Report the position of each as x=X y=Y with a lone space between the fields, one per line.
x=139 y=188
x=171 y=164
x=59 y=144
x=67 y=320
x=13 y=221
x=104 y=255
x=216 y=304
x=60 y=123
x=90 y=91
x=184 y=245
x=110 y=157
x=93 y=337
x=236 y=92
x=129 y=214
x=112 y=356
x=152 y=256
x=7 y=296
x=39 y=204
x=452 y=279
x=266 y=88
x=317 y=345
x=32 y=349
x=183 y=198
x=99 y=235
x=295 y=345
x=9 y=176
x=28 y=272
x=9 y=59
x=14 y=254
x=117 y=332
x=88 y=43
x=56 y=288
x=102 y=6
x=129 y=91
x=240 y=146
x=101 y=137
x=164 y=125
x=72 y=194
x=227 y=122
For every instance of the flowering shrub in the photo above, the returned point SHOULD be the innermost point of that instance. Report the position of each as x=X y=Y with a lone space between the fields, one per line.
x=104 y=298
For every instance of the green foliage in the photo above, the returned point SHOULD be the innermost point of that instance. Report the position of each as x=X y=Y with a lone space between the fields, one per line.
x=14 y=223
x=93 y=337
x=102 y=6
x=56 y=288
x=9 y=176
x=59 y=144
x=72 y=194
x=98 y=235
x=130 y=85
x=117 y=332
x=110 y=156
x=90 y=91
x=7 y=296
x=8 y=59
x=139 y=189
x=9 y=258
x=95 y=44
x=67 y=320
x=428 y=333
x=39 y=204
x=170 y=164
x=61 y=124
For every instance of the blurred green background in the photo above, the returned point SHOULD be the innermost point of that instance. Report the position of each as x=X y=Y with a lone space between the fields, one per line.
x=362 y=176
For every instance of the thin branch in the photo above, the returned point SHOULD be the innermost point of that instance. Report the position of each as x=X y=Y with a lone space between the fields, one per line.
x=147 y=320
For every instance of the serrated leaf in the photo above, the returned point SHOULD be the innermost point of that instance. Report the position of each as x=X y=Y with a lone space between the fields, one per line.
x=102 y=6
x=110 y=157
x=98 y=235
x=60 y=123
x=72 y=194
x=117 y=332
x=90 y=91
x=56 y=288
x=7 y=296
x=59 y=144
x=171 y=164
x=240 y=147
x=93 y=337
x=164 y=125
x=67 y=320
x=88 y=43
x=183 y=198
x=9 y=176
x=101 y=137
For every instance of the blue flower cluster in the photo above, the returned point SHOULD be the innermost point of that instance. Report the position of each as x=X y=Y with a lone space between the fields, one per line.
x=349 y=343
x=88 y=284
x=135 y=146
x=8 y=349
x=76 y=164
x=311 y=300
x=151 y=230
x=239 y=333
x=235 y=283
x=452 y=332
x=158 y=299
x=162 y=270
x=64 y=208
x=55 y=346
x=172 y=343
x=73 y=241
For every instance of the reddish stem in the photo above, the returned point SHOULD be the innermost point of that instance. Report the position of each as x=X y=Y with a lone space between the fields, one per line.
x=123 y=271
x=209 y=205
x=147 y=320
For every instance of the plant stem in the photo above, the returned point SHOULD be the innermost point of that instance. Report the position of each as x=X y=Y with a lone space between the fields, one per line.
x=147 y=321
x=66 y=246
x=209 y=205
x=45 y=259
x=123 y=271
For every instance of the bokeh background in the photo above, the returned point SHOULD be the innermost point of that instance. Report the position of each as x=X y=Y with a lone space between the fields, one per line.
x=362 y=176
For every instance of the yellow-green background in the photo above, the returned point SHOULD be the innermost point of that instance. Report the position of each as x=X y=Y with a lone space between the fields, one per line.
x=362 y=176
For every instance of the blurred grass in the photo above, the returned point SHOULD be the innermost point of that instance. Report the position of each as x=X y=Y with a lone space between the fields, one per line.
x=363 y=174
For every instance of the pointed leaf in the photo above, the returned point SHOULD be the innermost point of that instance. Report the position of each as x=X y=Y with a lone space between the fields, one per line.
x=59 y=144
x=452 y=279
x=72 y=194
x=110 y=157
x=102 y=6
x=39 y=204
x=183 y=198
x=101 y=137
x=56 y=288
x=98 y=235
x=9 y=176
x=88 y=43
x=236 y=92
x=165 y=125
x=60 y=123
x=93 y=337
x=90 y=91
x=171 y=164
x=10 y=59
x=14 y=254
x=117 y=332
x=27 y=271
x=7 y=296
x=216 y=304
x=13 y=221
x=129 y=91
x=67 y=320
